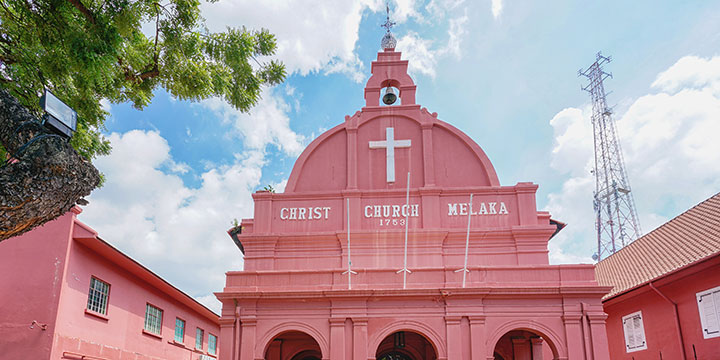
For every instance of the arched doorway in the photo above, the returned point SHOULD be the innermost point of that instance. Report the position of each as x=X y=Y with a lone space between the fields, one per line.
x=293 y=345
x=405 y=345
x=524 y=345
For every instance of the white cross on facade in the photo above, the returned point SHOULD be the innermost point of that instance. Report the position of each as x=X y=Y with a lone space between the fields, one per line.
x=390 y=144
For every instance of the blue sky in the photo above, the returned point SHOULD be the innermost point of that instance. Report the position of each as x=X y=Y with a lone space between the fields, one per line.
x=503 y=71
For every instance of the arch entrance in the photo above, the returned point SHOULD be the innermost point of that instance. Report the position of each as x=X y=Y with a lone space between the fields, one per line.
x=405 y=345
x=521 y=344
x=293 y=345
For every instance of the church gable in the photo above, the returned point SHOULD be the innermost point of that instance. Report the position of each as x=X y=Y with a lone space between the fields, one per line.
x=377 y=147
x=355 y=176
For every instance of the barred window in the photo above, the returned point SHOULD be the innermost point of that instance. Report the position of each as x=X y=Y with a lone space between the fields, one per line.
x=199 y=333
x=212 y=344
x=98 y=296
x=179 y=329
x=153 y=319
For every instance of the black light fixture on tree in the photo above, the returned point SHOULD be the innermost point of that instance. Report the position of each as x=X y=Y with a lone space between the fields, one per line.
x=59 y=118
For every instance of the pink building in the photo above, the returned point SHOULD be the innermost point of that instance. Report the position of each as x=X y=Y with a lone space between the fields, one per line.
x=395 y=240
x=665 y=301
x=67 y=294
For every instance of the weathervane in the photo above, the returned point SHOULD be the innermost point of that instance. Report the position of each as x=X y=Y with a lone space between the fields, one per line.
x=388 y=41
x=388 y=24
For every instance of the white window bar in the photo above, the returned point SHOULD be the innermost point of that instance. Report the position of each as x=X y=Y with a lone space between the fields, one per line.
x=153 y=319
x=179 y=330
x=212 y=344
x=98 y=296
x=199 y=333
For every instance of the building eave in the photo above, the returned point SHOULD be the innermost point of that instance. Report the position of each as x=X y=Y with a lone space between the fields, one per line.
x=88 y=237
x=661 y=277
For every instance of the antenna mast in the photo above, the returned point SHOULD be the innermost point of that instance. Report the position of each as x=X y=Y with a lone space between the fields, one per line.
x=616 y=220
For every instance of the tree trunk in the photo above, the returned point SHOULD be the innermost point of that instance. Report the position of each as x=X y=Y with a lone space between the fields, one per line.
x=46 y=176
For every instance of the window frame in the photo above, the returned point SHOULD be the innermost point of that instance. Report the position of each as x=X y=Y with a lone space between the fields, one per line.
x=706 y=320
x=184 y=326
x=214 y=348
x=635 y=331
x=91 y=291
x=160 y=320
x=201 y=332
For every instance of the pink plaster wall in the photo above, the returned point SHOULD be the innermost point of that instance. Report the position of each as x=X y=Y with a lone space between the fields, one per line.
x=126 y=311
x=661 y=333
x=31 y=276
x=72 y=332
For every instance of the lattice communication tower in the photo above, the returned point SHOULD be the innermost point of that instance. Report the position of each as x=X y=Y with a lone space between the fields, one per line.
x=616 y=219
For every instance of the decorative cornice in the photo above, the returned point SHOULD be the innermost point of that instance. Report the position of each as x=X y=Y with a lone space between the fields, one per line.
x=477 y=319
x=571 y=319
x=453 y=319
x=248 y=321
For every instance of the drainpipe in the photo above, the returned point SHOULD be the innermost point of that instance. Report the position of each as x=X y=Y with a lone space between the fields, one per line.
x=677 y=318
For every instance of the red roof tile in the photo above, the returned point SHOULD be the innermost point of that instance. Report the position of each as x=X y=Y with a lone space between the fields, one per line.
x=691 y=236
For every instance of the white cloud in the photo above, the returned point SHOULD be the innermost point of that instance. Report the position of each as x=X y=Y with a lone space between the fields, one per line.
x=671 y=154
x=280 y=186
x=439 y=7
x=423 y=54
x=497 y=7
x=178 y=167
x=177 y=231
x=404 y=10
x=267 y=123
x=312 y=35
x=690 y=72
x=573 y=141
x=105 y=104
x=211 y=302
x=456 y=32
x=419 y=53
x=327 y=43
x=146 y=210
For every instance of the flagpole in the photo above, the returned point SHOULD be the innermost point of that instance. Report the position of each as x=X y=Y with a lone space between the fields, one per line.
x=467 y=243
x=405 y=270
x=349 y=271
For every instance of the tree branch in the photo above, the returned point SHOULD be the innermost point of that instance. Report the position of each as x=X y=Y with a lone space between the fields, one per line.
x=84 y=10
x=45 y=180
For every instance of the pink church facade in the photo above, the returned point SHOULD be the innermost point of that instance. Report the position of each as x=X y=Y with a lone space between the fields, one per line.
x=376 y=251
x=67 y=294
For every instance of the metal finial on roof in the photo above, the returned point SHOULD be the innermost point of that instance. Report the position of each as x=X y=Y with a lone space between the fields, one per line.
x=388 y=41
x=388 y=24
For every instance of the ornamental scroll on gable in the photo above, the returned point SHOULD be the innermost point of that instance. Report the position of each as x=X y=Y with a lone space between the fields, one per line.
x=376 y=147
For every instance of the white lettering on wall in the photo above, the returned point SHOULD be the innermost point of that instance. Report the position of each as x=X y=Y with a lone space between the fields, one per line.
x=489 y=208
x=305 y=213
x=392 y=211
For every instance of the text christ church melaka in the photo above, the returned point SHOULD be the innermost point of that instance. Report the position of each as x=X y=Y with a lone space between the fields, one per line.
x=395 y=240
